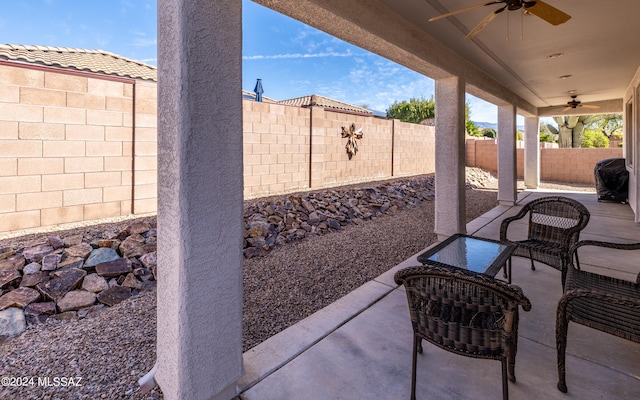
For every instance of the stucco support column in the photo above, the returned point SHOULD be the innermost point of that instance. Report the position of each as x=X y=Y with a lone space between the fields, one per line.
x=507 y=171
x=200 y=195
x=531 y=153
x=450 y=157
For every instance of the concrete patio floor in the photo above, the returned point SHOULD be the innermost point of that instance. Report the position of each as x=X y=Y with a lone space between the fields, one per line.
x=360 y=346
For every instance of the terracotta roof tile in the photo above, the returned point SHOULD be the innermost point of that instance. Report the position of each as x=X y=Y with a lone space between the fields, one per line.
x=79 y=59
x=306 y=101
x=246 y=95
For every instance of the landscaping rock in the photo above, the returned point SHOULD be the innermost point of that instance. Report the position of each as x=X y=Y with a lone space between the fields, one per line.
x=21 y=297
x=57 y=287
x=12 y=322
x=113 y=268
x=36 y=253
x=32 y=280
x=46 y=308
x=50 y=262
x=6 y=252
x=131 y=281
x=76 y=300
x=72 y=240
x=56 y=242
x=101 y=255
x=31 y=268
x=16 y=261
x=71 y=262
x=81 y=250
x=94 y=283
x=114 y=295
x=8 y=277
x=150 y=260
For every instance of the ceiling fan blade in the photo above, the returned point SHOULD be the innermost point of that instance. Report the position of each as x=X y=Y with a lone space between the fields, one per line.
x=548 y=13
x=589 y=106
x=567 y=109
x=463 y=10
x=483 y=24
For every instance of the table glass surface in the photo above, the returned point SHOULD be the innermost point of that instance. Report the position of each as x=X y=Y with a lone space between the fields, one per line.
x=469 y=253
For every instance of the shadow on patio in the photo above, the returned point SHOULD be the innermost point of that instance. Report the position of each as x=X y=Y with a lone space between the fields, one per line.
x=360 y=346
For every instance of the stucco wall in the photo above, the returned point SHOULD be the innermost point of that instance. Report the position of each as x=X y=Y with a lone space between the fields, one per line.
x=66 y=147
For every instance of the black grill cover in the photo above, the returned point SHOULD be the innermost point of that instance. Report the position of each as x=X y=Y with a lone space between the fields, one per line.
x=612 y=180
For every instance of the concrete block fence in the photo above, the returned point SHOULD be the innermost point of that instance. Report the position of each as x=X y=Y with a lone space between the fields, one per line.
x=74 y=147
x=556 y=165
x=78 y=146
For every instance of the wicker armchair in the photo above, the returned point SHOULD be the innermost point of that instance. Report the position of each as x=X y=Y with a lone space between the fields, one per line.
x=465 y=313
x=554 y=226
x=601 y=302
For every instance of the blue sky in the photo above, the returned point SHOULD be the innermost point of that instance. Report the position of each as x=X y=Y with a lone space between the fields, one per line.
x=292 y=59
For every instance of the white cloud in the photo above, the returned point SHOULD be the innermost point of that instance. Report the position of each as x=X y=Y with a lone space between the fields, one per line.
x=142 y=42
x=298 y=55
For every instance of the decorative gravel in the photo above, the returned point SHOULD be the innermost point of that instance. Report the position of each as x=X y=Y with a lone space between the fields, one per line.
x=113 y=349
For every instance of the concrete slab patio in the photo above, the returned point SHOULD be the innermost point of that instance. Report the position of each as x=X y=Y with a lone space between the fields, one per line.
x=360 y=346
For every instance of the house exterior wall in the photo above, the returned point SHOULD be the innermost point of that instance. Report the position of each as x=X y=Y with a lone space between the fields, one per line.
x=66 y=147
x=631 y=141
x=556 y=165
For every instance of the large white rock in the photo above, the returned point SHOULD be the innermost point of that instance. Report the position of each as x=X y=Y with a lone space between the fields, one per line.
x=12 y=321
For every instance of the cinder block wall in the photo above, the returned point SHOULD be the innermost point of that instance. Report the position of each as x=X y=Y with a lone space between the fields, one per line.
x=289 y=149
x=66 y=147
x=276 y=149
x=76 y=146
x=573 y=165
x=556 y=165
x=330 y=163
x=145 y=148
x=414 y=149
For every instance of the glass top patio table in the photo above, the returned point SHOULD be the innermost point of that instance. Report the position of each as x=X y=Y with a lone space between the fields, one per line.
x=468 y=252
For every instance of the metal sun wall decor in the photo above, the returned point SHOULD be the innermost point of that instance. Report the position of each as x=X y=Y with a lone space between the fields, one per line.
x=352 y=134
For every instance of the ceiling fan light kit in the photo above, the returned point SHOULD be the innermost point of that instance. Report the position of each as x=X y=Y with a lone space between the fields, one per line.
x=538 y=8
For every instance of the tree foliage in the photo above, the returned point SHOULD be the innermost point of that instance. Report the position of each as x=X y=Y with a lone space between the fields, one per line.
x=594 y=138
x=414 y=111
x=417 y=110
x=607 y=124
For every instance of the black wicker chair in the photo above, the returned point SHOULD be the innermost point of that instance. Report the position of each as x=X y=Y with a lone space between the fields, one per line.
x=554 y=226
x=465 y=313
x=601 y=302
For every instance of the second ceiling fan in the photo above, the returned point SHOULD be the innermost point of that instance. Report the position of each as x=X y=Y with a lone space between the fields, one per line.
x=538 y=8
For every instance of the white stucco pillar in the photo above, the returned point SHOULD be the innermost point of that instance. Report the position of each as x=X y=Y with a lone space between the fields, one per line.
x=450 y=157
x=507 y=167
x=531 y=153
x=200 y=195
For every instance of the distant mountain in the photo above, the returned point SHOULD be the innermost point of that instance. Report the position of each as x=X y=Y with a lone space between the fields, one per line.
x=494 y=125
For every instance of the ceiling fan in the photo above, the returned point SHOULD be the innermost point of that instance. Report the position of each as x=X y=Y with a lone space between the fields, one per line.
x=538 y=8
x=575 y=104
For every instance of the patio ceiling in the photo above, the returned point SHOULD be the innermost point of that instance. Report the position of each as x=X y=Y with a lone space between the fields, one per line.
x=598 y=46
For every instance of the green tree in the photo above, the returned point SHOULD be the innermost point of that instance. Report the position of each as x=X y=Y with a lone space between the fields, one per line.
x=417 y=110
x=546 y=137
x=414 y=111
x=489 y=132
x=607 y=124
x=470 y=126
x=594 y=138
